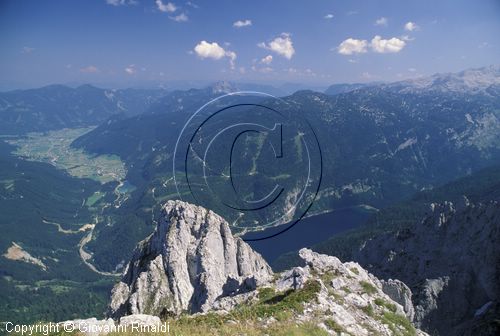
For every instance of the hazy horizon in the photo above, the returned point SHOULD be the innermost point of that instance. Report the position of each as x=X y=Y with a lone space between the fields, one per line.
x=198 y=84
x=111 y=43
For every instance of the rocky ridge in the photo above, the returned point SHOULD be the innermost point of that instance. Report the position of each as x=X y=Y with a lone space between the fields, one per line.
x=351 y=298
x=467 y=81
x=338 y=298
x=451 y=261
x=192 y=264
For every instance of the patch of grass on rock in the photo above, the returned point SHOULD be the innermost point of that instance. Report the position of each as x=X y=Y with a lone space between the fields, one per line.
x=384 y=304
x=368 y=287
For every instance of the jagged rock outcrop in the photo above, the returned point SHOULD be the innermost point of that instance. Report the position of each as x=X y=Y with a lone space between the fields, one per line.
x=193 y=264
x=350 y=299
x=451 y=261
x=140 y=319
x=399 y=292
x=189 y=263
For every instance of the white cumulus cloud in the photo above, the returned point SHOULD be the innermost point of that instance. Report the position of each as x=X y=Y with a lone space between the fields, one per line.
x=242 y=23
x=328 y=16
x=411 y=26
x=166 y=8
x=214 y=51
x=130 y=69
x=179 y=18
x=392 y=45
x=232 y=58
x=352 y=46
x=381 y=22
x=267 y=60
x=282 y=45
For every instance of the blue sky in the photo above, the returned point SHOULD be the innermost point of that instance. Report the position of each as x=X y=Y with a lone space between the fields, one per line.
x=129 y=43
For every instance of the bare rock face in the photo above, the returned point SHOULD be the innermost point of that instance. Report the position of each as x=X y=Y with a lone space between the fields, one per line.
x=348 y=295
x=188 y=264
x=339 y=298
x=399 y=292
x=451 y=261
x=140 y=319
x=193 y=264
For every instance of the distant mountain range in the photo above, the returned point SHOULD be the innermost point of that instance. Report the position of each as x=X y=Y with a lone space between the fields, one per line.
x=336 y=89
x=57 y=106
x=382 y=126
x=380 y=143
x=485 y=80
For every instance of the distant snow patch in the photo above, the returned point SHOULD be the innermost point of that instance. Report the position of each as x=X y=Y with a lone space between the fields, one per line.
x=109 y=94
x=406 y=144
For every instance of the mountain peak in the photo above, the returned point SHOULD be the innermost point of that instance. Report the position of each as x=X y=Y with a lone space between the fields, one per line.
x=471 y=80
x=88 y=87
x=223 y=87
x=191 y=261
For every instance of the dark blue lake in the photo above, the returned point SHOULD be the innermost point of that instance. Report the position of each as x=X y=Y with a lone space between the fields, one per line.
x=307 y=232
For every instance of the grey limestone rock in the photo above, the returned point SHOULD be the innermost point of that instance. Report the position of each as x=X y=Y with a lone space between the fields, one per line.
x=399 y=292
x=450 y=260
x=188 y=263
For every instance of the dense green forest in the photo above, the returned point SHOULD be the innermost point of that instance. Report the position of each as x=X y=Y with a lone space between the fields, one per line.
x=33 y=195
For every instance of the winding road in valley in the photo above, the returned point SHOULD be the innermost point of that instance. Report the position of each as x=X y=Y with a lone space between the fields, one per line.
x=85 y=256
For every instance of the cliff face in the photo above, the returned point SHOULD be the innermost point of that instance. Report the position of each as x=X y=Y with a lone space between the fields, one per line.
x=451 y=261
x=193 y=264
x=191 y=261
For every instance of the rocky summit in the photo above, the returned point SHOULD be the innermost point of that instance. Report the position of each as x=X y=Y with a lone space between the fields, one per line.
x=192 y=264
x=189 y=263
